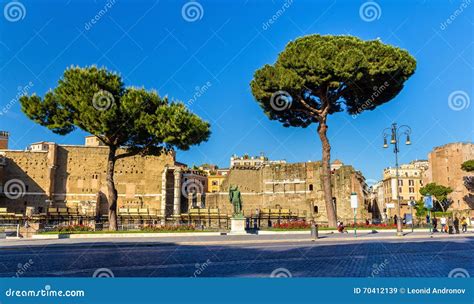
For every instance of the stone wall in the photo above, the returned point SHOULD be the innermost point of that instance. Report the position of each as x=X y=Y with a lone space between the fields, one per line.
x=24 y=172
x=445 y=169
x=297 y=187
x=72 y=175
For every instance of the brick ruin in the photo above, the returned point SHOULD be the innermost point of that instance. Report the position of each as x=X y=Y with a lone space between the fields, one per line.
x=74 y=176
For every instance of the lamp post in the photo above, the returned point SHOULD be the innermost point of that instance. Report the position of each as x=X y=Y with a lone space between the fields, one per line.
x=395 y=132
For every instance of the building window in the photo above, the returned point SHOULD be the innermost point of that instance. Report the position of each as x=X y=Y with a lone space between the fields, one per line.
x=411 y=182
x=411 y=190
x=215 y=183
x=315 y=209
x=400 y=182
x=311 y=188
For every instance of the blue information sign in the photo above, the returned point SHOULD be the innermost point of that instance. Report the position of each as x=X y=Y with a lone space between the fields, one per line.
x=428 y=202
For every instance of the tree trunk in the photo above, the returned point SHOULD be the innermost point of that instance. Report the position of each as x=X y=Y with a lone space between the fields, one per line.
x=111 y=190
x=441 y=203
x=326 y=173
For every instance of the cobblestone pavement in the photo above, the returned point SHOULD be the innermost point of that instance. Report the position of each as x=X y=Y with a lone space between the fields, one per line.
x=142 y=258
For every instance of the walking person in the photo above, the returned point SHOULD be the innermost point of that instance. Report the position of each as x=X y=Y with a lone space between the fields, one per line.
x=450 y=225
x=443 y=224
x=434 y=221
x=464 y=224
x=456 y=224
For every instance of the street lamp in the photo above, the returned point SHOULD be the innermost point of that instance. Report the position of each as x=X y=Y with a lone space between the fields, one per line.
x=395 y=132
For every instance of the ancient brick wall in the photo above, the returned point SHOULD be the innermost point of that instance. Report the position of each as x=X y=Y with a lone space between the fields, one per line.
x=445 y=169
x=26 y=170
x=79 y=175
x=297 y=187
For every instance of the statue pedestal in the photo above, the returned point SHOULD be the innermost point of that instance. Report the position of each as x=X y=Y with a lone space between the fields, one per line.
x=237 y=225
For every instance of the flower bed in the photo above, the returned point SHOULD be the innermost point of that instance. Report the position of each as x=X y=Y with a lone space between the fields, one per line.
x=168 y=228
x=296 y=225
x=73 y=228
x=373 y=226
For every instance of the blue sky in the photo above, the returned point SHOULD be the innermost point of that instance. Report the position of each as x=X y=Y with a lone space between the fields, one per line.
x=153 y=45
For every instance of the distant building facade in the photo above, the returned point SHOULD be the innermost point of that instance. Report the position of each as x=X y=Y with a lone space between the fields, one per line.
x=4 y=140
x=377 y=200
x=215 y=182
x=252 y=161
x=409 y=183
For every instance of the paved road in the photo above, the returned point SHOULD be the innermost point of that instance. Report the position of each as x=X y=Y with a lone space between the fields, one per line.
x=259 y=258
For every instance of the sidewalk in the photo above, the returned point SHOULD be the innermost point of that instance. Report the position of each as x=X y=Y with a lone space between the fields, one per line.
x=214 y=238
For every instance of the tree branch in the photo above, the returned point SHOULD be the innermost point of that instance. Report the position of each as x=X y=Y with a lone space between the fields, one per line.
x=130 y=153
x=312 y=110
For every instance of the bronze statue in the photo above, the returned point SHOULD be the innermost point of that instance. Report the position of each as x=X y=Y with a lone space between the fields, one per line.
x=235 y=200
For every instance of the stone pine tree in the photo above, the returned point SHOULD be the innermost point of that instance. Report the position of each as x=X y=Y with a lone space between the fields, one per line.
x=316 y=76
x=129 y=121
x=468 y=166
x=440 y=192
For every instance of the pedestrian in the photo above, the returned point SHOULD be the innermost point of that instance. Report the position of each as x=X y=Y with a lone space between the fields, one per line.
x=428 y=219
x=450 y=225
x=340 y=227
x=443 y=224
x=456 y=224
x=464 y=224
x=395 y=219
x=435 y=224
